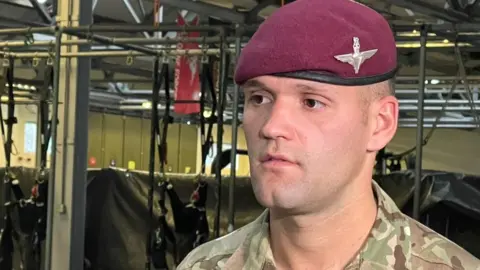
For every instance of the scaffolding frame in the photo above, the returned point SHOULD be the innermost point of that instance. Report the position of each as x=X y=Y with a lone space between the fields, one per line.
x=131 y=49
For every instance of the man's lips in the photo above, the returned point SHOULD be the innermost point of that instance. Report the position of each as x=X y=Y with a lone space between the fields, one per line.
x=277 y=159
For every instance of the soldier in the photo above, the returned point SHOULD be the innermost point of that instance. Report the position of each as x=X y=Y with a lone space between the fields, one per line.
x=318 y=79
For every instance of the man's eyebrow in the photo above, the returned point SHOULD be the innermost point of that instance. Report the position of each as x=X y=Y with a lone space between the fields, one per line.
x=254 y=84
x=312 y=89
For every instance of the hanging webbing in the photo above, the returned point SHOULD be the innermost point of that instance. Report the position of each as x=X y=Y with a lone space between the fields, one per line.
x=154 y=119
x=157 y=139
x=45 y=124
x=162 y=137
x=41 y=188
x=7 y=231
x=206 y=82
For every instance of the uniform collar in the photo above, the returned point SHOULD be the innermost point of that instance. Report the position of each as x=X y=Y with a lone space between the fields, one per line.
x=388 y=241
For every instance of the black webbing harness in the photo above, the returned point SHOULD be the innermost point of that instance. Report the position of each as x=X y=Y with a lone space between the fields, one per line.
x=45 y=123
x=207 y=82
x=32 y=210
x=40 y=198
x=10 y=183
x=159 y=140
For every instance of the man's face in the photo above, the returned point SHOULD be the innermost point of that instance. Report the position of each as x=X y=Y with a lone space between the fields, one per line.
x=306 y=140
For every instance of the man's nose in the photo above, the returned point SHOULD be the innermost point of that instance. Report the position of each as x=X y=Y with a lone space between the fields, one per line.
x=279 y=121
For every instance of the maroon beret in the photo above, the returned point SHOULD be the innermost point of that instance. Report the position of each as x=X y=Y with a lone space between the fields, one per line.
x=332 y=41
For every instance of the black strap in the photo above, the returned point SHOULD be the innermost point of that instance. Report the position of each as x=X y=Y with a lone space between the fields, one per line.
x=151 y=167
x=207 y=139
x=162 y=137
x=10 y=122
x=45 y=124
x=10 y=179
x=156 y=138
x=6 y=241
x=8 y=69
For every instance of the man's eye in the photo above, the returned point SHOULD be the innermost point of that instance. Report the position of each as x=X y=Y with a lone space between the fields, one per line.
x=313 y=104
x=258 y=99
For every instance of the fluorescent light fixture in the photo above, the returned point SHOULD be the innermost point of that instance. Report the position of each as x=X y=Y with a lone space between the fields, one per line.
x=147 y=105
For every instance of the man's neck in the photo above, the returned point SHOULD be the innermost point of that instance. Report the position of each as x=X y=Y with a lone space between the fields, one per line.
x=327 y=240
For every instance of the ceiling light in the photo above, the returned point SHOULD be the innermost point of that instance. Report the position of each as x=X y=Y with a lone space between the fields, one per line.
x=147 y=105
x=207 y=113
x=434 y=81
x=41 y=1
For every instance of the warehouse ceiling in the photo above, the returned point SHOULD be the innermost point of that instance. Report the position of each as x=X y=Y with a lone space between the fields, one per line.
x=450 y=21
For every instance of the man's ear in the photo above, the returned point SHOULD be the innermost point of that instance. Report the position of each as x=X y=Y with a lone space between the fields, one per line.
x=384 y=119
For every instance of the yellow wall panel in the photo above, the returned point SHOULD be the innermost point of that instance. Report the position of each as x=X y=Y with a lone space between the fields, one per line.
x=132 y=142
x=112 y=137
x=187 y=148
x=95 y=135
x=450 y=150
x=114 y=140
x=173 y=138
x=146 y=145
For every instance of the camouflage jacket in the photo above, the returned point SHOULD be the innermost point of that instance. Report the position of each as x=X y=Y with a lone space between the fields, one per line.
x=395 y=242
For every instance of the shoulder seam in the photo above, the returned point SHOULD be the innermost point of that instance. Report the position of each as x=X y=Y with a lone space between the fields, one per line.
x=430 y=261
x=229 y=252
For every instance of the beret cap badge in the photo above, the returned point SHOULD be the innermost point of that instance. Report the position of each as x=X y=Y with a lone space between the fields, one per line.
x=357 y=58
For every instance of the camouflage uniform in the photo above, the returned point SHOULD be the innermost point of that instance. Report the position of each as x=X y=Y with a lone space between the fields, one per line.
x=395 y=242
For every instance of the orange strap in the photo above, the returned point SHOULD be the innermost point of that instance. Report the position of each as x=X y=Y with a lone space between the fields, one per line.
x=156 y=9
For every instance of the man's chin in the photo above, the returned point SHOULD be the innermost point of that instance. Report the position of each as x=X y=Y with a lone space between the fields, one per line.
x=275 y=200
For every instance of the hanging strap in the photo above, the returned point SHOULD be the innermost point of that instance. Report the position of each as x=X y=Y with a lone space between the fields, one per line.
x=42 y=179
x=162 y=137
x=8 y=66
x=45 y=124
x=207 y=139
x=13 y=184
x=151 y=167
x=6 y=241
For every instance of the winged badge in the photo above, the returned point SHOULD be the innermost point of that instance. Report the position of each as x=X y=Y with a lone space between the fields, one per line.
x=357 y=58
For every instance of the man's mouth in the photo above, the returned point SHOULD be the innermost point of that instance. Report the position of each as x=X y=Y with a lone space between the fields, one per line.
x=276 y=158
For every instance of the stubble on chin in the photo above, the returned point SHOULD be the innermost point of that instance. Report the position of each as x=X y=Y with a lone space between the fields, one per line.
x=277 y=191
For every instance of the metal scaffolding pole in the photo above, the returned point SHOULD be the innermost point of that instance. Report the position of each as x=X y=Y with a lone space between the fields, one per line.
x=53 y=157
x=115 y=53
x=419 y=145
x=466 y=109
x=117 y=28
x=460 y=126
x=66 y=234
x=440 y=101
x=38 y=139
x=87 y=33
x=220 y=108
x=233 y=153
x=143 y=41
x=463 y=74
x=439 y=77
x=428 y=91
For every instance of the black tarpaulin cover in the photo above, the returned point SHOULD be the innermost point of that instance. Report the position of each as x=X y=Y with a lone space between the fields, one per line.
x=449 y=203
x=117 y=217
